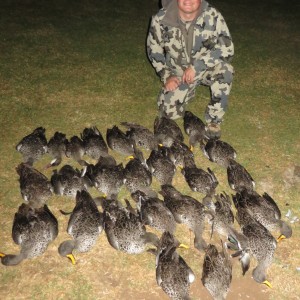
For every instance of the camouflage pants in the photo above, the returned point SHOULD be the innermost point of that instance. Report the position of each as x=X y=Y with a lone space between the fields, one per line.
x=219 y=78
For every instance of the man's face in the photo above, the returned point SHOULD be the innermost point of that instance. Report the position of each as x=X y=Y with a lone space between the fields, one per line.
x=188 y=6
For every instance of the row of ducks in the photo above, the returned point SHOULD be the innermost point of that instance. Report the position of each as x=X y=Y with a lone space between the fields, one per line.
x=34 y=225
x=168 y=151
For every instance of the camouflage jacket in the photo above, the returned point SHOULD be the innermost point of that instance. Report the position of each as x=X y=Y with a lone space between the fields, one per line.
x=167 y=41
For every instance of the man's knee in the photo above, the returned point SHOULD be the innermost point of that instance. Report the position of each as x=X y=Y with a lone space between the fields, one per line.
x=223 y=73
x=172 y=104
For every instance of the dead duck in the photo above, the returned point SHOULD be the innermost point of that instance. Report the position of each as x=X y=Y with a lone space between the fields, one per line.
x=136 y=173
x=75 y=150
x=154 y=212
x=261 y=244
x=33 y=146
x=223 y=220
x=173 y=274
x=161 y=167
x=57 y=146
x=264 y=210
x=143 y=137
x=194 y=128
x=177 y=152
x=35 y=187
x=197 y=179
x=84 y=226
x=33 y=230
x=217 y=272
x=187 y=210
x=219 y=152
x=118 y=141
x=94 y=143
x=166 y=131
x=124 y=230
x=221 y=208
x=238 y=177
x=107 y=176
x=68 y=181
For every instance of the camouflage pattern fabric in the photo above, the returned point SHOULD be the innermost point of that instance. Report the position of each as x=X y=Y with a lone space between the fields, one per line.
x=210 y=55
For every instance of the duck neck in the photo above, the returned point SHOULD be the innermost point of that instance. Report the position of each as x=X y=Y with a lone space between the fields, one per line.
x=151 y=238
x=12 y=260
x=66 y=247
x=259 y=273
x=285 y=229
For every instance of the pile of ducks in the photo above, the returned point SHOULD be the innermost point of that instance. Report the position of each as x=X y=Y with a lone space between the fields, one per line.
x=258 y=216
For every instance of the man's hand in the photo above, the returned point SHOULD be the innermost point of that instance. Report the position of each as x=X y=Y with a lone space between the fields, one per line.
x=172 y=83
x=188 y=75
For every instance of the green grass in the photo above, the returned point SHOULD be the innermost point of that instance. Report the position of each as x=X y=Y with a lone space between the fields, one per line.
x=66 y=65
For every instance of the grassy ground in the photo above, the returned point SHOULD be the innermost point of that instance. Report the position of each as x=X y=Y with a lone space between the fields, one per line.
x=66 y=65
